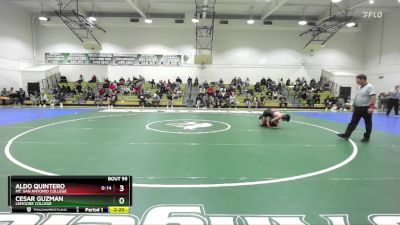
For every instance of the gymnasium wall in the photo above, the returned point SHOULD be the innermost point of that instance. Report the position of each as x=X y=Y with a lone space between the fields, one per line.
x=16 y=48
x=383 y=51
x=247 y=52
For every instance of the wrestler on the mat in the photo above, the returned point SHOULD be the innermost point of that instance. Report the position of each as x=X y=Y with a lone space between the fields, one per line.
x=271 y=118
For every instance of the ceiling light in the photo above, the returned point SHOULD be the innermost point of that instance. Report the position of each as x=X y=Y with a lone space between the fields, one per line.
x=195 y=20
x=250 y=21
x=302 y=22
x=336 y=1
x=148 y=20
x=351 y=24
x=371 y=2
x=43 y=18
x=91 y=19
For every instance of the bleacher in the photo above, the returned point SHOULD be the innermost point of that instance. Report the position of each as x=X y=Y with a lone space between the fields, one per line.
x=133 y=101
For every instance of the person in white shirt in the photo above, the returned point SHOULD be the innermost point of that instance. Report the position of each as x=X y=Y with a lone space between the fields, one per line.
x=363 y=107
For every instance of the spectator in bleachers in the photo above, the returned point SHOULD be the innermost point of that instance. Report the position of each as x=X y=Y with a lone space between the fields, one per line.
x=310 y=101
x=189 y=82
x=247 y=82
x=196 y=82
x=156 y=100
x=205 y=84
x=4 y=93
x=121 y=81
x=288 y=82
x=255 y=101
x=283 y=102
x=247 y=101
x=142 y=99
x=113 y=99
x=35 y=99
x=210 y=91
x=263 y=82
x=93 y=80
x=328 y=102
x=170 y=100
x=257 y=87
x=43 y=100
x=232 y=100
x=78 y=88
x=262 y=100
x=199 y=100
x=178 y=80
x=80 y=79
x=21 y=95
x=221 y=82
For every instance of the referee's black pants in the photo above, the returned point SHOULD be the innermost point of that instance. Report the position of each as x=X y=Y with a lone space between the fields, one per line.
x=358 y=113
x=393 y=103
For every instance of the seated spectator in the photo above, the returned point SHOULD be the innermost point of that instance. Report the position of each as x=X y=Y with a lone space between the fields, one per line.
x=247 y=101
x=255 y=101
x=202 y=90
x=121 y=81
x=288 y=82
x=199 y=101
x=328 y=103
x=93 y=80
x=142 y=100
x=43 y=100
x=170 y=100
x=247 y=82
x=113 y=99
x=257 y=87
x=141 y=79
x=210 y=91
x=152 y=83
x=128 y=82
x=78 y=88
x=283 y=102
x=310 y=101
x=275 y=95
x=178 y=80
x=99 y=100
x=35 y=99
x=4 y=93
x=205 y=84
x=13 y=95
x=232 y=100
x=112 y=87
x=125 y=90
x=262 y=101
x=21 y=96
x=156 y=100
x=80 y=79
x=263 y=82
x=221 y=82
x=63 y=79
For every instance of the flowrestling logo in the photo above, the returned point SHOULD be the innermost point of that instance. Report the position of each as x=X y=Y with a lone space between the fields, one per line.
x=184 y=215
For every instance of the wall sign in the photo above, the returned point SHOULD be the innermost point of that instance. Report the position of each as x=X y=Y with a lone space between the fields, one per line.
x=112 y=59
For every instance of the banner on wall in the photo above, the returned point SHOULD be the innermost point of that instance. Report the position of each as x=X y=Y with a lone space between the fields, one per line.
x=112 y=59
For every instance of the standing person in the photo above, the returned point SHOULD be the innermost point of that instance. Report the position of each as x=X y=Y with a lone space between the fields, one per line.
x=393 y=100
x=363 y=107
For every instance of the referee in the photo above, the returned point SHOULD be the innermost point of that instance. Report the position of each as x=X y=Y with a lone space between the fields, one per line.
x=363 y=107
x=394 y=97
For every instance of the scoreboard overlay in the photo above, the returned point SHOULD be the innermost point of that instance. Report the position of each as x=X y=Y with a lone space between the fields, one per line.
x=70 y=194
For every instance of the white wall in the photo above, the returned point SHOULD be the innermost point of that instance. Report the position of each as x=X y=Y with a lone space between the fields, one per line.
x=250 y=53
x=383 y=51
x=16 y=48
